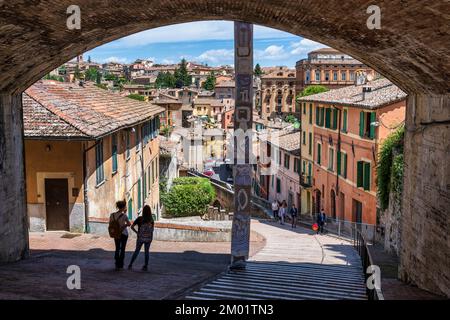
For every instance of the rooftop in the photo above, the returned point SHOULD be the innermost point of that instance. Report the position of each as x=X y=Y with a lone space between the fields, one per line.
x=383 y=92
x=65 y=110
x=285 y=140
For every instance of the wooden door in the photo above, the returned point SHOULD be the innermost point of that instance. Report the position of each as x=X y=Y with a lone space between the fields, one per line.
x=57 y=204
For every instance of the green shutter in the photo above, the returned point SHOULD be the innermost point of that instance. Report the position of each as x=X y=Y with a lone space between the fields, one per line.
x=361 y=124
x=322 y=116
x=309 y=172
x=328 y=118
x=339 y=163
x=372 y=127
x=278 y=185
x=335 y=119
x=310 y=143
x=359 y=175
x=344 y=129
x=317 y=116
x=304 y=167
x=130 y=209
x=345 y=166
x=310 y=113
x=139 y=194
x=366 y=176
x=319 y=151
x=145 y=184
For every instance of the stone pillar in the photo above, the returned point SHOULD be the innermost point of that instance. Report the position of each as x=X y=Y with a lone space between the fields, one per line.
x=425 y=222
x=13 y=214
x=243 y=121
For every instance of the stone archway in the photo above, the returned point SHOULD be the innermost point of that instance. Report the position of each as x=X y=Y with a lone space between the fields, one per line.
x=411 y=49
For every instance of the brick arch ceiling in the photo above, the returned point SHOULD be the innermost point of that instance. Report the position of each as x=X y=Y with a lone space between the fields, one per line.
x=411 y=49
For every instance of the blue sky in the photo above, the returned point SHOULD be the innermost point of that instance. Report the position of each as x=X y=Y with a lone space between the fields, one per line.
x=208 y=42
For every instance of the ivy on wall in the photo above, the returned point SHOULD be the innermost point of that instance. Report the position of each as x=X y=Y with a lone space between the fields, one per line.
x=390 y=167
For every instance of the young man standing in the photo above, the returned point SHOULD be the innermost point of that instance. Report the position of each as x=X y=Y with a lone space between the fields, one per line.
x=275 y=208
x=294 y=213
x=120 y=217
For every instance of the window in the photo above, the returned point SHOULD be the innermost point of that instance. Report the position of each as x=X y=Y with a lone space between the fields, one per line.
x=138 y=140
x=99 y=172
x=363 y=175
x=335 y=76
x=309 y=172
x=304 y=107
x=331 y=118
x=278 y=185
x=144 y=182
x=114 y=152
x=331 y=159
x=343 y=75
x=310 y=144
x=327 y=76
x=130 y=209
x=344 y=120
x=279 y=158
x=304 y=137
x=310 y=113
x=342 y=164
x=352 y=75
x=286 y=160
x=317 y=75
x=319 y=154
x=297 y=165
x=149 y=176
x=139 y=194
x=128 y=140
x=366 y=129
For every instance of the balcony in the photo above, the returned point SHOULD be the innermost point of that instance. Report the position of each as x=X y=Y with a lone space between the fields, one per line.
x=305 y=181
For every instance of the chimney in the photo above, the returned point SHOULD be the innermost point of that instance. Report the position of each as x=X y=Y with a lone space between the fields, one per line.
x=365 y=89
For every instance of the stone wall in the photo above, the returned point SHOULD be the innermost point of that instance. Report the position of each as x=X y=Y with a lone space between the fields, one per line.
x=13 y=218
x=425 y=223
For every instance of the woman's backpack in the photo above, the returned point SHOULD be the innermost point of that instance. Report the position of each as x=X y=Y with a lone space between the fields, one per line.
x=145 y=233
x=114 y=227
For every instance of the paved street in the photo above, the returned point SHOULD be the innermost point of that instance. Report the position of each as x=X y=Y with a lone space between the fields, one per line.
x=294 y=264
x=174 y=267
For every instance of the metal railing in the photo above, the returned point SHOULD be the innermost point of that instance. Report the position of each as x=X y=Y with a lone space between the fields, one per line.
x=360 y=246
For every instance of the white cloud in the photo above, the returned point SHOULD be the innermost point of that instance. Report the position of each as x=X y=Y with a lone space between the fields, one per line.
x=304 y=46
x=272 y=52
x=194 y=31
x=216 y=56
x=115 y=59
x=167 y=61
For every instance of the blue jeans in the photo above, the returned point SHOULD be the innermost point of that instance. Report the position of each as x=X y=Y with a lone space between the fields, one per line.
x=138 y=249
x=119 y=254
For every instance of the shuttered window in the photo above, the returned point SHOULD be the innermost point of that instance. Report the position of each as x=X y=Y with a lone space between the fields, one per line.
x=361 y=124
x=344 y=125
x=310 y=113
x=278 y=185
x=328 y=118
x=363 y=175
x=139 y=194
x=114 y=152
x=99 y=172
x=130 y=209
x=334 y=124
x=310 y=144
x=372 y=127
x=317 y=116
x=342 y=164
x=319 y=153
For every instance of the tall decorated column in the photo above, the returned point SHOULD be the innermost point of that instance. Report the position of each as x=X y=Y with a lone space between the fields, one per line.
x=243 y=157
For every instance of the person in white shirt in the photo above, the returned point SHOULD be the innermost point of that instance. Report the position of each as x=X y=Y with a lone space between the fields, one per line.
x=283 y=211
x=275 y=209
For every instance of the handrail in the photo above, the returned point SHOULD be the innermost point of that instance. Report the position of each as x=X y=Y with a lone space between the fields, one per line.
x=360 y=245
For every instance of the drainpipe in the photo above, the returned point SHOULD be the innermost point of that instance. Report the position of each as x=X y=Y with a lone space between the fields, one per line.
x=85 y=191
x=339 y=150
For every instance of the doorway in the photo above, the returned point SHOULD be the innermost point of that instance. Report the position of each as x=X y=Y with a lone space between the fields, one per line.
x=357 y=212
x=57 y=204
x=333 y=204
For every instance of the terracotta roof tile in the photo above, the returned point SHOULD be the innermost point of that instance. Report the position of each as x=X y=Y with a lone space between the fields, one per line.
x=383 y=93
x=93 y=111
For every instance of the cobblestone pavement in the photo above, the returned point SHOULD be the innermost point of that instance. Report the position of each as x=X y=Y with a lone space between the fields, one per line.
x=174 y=267
x=294 y=264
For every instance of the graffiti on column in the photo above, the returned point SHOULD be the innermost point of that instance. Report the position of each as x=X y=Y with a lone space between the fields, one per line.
x=243 y=38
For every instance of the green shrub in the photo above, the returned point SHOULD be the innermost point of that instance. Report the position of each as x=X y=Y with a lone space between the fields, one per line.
x=189 y=196
x=136 y=97
x=390 y=167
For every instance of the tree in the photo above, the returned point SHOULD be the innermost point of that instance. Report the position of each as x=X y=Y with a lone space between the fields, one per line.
x=314 y=89
x=258 y=71
x=91 y=74
x=182 y=76
x=165 y=80
x=210 y=82
x=291 y=119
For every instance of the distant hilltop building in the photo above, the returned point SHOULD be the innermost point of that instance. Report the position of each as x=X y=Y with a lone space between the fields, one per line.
x=330 y=68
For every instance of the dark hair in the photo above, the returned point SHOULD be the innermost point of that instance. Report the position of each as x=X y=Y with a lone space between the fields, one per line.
x=147 y=214
x=121 y=204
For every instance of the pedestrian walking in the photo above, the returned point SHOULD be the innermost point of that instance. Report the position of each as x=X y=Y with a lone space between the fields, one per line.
x=275 y=209
x=321 y=219
x=118 y=229
x=283 y=211
x=294 y=213
x=144 y=233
